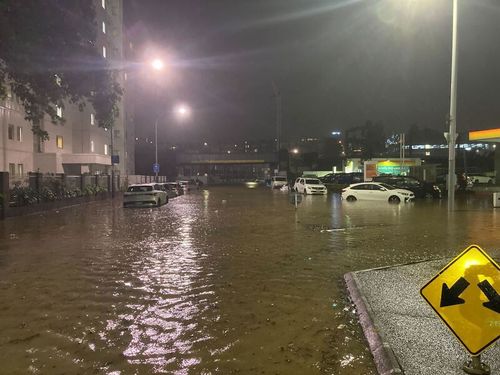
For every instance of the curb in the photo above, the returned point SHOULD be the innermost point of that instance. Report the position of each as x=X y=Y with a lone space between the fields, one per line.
x=383 y=355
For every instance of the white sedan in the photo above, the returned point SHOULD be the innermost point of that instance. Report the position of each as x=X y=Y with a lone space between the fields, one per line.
x=376 y=191
x=482 y=179
x=139 y=195
x=307 y=185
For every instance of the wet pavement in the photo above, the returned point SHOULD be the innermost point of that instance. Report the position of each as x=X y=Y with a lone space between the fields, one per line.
x=225 y=280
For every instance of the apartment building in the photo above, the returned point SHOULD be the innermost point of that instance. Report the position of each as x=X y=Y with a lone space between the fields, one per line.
x=78 y=145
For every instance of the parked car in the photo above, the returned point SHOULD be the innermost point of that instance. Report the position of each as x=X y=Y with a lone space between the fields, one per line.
x=140 y=195
x=419 y=188
x=177 y=187
x=343 y=178
x=462 y=183
x=330 y=178
x=307 y=185
x=278 y=182
x=376 y=191
x=185 y=185
x=482 y=179
x=169 y=189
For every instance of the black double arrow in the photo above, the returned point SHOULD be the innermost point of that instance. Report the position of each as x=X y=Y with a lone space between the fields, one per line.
x=451 y=296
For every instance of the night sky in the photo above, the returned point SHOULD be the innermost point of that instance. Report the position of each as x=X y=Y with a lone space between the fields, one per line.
x=336 y=63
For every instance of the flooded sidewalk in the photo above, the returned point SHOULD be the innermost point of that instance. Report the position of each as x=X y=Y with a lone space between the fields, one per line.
x=223 y=280
x=405 y=335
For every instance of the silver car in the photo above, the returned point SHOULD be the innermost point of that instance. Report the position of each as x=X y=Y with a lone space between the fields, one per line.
x=140 y=195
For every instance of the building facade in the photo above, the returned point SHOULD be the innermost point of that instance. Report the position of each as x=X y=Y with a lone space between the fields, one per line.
x=78 y=145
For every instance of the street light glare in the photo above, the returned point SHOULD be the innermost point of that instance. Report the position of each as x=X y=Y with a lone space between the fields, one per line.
x=182 y=111
x=157 y=64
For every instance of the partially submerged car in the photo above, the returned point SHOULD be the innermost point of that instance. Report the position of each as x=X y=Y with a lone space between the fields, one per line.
x=169 y=189
x=277 y=182
x=309 y=185
x=376 y=191
x=419 y=188
x=144 y=195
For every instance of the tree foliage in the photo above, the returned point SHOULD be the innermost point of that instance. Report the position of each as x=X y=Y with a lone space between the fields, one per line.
x=48 y=55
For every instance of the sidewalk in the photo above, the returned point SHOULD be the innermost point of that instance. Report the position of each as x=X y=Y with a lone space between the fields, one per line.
x=404 y=334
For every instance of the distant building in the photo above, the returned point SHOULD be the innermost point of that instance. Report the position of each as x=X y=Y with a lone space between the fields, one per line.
x=79 y=145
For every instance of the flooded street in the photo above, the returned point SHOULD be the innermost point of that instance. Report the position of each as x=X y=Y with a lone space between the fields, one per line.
x=221 y=281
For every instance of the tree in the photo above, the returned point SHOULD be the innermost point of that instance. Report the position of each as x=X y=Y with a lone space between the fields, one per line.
x=48 y=55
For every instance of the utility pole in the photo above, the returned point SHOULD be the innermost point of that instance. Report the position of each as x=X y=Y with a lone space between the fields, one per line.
x=401 y=153
x=112 y=147
x=277 y=96
x=452 y=134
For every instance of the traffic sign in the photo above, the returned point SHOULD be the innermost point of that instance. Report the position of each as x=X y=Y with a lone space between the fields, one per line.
x=156 y=168
x=465 y=295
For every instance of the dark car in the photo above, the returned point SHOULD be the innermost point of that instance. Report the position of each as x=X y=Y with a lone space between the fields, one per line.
x=419 y=188
x=348 y=178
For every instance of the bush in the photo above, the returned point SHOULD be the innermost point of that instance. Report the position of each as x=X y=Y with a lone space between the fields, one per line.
x=24 y=196
x=92 y=190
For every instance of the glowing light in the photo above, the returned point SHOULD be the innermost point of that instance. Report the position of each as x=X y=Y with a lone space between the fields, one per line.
x=182 y=111
x=157 y=64
x=295 y=151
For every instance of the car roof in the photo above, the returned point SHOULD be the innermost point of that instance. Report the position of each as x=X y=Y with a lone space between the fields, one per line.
x=145 y=184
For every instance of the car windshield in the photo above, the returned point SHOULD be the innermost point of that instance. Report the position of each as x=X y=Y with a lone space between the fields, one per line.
x=279 y=178
x=139 y=189
x=387 y=186
x=312 y=181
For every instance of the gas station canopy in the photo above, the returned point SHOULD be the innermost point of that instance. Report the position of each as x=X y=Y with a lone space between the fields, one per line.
x=488 y=135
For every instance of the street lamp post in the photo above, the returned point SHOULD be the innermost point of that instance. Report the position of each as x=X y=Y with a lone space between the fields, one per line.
x=452 y=134
x=157 y=64
x=181 y=111
x=156 y=150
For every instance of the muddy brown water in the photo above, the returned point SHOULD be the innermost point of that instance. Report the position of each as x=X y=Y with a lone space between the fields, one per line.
x=227 y=280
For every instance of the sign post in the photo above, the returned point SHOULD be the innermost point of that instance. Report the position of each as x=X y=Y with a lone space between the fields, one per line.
x=464 y=294
x=295 y=199
x=156 y=170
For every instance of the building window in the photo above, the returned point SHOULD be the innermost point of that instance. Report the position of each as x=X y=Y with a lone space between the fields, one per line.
x=104 y=51
x=103 y=3
x=103 y=27
x=20 y=170
x=19 y=134
x=91 y=146
x=59 y=111
x=11 y=131
x=12 y=169
x=105 y=149
x=92 y=119
x=59 y=141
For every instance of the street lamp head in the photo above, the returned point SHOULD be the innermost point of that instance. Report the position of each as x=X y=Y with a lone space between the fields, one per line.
x=157 y=64
x=182 y=111
x=295 y=150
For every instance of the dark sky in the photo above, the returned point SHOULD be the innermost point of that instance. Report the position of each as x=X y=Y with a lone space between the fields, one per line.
x=337 y=63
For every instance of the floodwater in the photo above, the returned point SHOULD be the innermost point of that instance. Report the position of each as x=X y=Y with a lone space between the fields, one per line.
x=227 y=280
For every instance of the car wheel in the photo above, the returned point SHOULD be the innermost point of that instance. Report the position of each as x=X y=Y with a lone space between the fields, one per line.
x=166 y=200
x=394 y=199
x=158 y=202
x=351 y=198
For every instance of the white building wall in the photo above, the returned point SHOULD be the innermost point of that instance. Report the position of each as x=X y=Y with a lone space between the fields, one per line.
x=13 y=151
x=77 y=132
